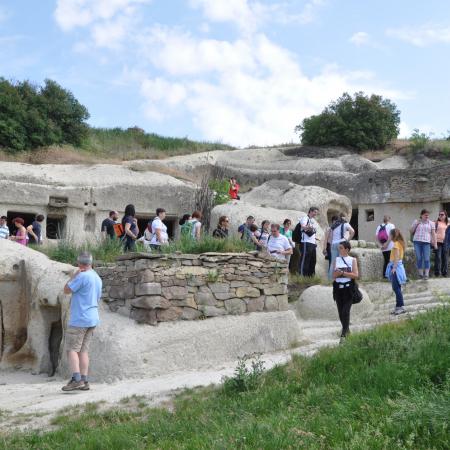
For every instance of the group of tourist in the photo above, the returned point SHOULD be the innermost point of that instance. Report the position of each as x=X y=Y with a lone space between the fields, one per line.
x=32 y=234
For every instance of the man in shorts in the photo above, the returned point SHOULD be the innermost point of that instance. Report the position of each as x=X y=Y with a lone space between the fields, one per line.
x=86 y=289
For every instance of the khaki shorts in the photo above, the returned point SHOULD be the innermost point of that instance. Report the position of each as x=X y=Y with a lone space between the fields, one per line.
x=78 y=338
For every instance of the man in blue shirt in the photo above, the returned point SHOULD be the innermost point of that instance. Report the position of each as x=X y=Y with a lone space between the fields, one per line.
x=86 y=289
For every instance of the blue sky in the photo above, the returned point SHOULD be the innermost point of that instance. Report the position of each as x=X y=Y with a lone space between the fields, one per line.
x=243 y=72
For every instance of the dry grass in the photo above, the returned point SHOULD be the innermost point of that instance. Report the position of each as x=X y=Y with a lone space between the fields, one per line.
x=148 y=166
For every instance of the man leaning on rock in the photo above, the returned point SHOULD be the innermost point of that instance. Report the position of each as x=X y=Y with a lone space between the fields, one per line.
x=86 y=289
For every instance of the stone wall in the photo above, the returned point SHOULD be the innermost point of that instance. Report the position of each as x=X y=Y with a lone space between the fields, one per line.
x=160 y=288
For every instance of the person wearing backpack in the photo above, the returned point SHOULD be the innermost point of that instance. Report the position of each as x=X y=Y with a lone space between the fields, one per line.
x=382 y=235
x=263 y=234
x=424 y=237
x=194 y=226
x=341 y=231
x=244 y=229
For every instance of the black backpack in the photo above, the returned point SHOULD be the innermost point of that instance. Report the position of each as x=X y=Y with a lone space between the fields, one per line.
x=297 y=234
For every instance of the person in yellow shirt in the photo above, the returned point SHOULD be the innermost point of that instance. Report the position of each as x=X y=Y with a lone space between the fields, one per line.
x=395 y=270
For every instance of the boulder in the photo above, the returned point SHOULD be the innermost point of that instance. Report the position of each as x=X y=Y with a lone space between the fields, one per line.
x=282 y=194
x=317 y=303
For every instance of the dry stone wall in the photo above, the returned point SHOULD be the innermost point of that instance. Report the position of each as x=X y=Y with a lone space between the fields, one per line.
x=162 y=288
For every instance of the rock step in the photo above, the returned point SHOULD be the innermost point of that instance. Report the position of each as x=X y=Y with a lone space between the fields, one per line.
x=408 y=301
x=381 y=316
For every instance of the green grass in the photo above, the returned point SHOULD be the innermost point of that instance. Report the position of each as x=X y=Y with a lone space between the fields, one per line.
x=208 y=244
x=106 y=251
x=132 y=144
x=387 y=388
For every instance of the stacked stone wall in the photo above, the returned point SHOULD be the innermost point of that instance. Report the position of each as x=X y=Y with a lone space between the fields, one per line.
x=162 y=288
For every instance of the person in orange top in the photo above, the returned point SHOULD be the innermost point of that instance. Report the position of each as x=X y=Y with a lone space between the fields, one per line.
x=234 y=189
x=440 y=255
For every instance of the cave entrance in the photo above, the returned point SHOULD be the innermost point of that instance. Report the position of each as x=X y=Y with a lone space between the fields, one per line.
x=354 y=223
x=446 y=207
x=54 y=345
x=56 y=226
x=28 y=217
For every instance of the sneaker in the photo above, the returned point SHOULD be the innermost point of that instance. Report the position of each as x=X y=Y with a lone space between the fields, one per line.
x=400 y=310
x=394 y=311
x=426 y=277
x=72 y=385
x=85 y=386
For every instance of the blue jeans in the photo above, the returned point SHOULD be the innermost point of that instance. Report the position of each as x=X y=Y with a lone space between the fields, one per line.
x=334 y=255
x=423 y=251
x=397 y=288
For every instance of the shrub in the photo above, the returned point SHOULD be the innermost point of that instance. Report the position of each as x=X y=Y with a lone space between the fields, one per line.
x=208 y=244
x=33 y=116
x=246 y=377
x=358 y=122
x=418 y=141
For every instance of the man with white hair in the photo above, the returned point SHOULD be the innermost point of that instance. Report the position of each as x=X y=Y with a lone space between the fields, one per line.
x=86 y=289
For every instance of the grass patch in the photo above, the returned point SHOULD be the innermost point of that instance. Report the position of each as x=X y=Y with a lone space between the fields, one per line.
x=208 y=244
x=388 y=388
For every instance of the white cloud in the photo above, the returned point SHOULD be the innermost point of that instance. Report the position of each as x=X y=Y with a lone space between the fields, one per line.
x=248 y=91
x=360 y=38
x=310 y=10
x=422 y=36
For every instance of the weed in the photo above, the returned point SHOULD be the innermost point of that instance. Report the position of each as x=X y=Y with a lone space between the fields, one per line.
x=246 y=377
x=213 y=276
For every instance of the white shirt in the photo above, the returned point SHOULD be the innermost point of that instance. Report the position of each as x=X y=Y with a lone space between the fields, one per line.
x=278 y=243
x=341 y=265
x=338 y=231
x=4 y=232
x=304 y=221
x=262 y=237
x=389 y=227
x=158 y=224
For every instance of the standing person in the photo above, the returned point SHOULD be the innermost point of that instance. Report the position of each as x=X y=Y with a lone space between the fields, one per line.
x=382 y=235
x=221 y=232
x=4 y=230
x=395 y=271
x=184 y=229
x=131 y=229
x=86 y=289
x=21 y=236
x=278 y=245
x=308 y=244
x=107 y=227
x=286 y=231
x=263 y=234
x=423 y=237
x=159 y=230
x=440 y=255
x=447 y=241
x=326 y=249
x=244 y=229
x=345 y=272
x=195 y=225
x=35 y=230
x=234 y=189
x=341 y=231
x=253 y=231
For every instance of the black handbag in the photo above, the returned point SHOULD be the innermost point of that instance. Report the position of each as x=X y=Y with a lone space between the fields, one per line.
x=356 y=293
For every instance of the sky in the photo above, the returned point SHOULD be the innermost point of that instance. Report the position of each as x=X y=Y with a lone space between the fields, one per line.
x=241 y=72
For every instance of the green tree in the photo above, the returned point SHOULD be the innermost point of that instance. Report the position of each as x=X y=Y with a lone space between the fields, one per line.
x=33 y=117
x=358 y=121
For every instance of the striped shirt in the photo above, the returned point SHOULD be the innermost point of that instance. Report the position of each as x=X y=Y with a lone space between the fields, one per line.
x=4 y=232
x=423 y=230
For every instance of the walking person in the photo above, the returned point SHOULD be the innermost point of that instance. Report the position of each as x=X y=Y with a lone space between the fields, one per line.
x=184 y=228
x=341 y=231
x=308 y=245
x=195 y=226
x=131 y=229
x=440 y=255
x=158 y=230
x=395 y=270
x=382 y=236
x=35 y=230
x=424 y=237
x=86 y=289
x=278 y=245
x=4 y=229
x=221 y=232
x=21 y=236
x=345 y=272
x=107 y=227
